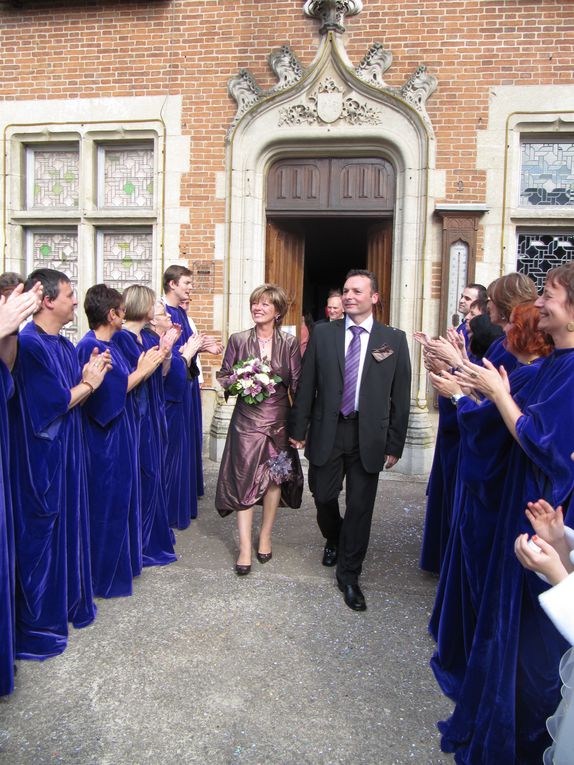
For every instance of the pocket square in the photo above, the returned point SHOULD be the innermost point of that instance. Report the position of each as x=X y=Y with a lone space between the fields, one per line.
x=382 y=353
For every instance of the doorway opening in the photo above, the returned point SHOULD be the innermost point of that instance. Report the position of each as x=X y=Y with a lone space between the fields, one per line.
x=311 y=256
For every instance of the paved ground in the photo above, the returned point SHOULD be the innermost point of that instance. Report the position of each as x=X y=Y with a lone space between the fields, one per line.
x=199 y=666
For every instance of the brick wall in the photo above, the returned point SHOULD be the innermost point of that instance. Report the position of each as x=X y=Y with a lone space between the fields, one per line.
x=192 y=47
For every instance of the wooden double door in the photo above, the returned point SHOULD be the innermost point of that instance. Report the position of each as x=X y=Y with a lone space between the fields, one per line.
x=324 y=217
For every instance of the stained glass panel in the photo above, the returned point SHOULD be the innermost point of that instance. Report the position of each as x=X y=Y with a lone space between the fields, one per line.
x=127 y=258
x=547 y=173
x=55 y=179
x=128 y=177
x=58 y=250
x=538 y=253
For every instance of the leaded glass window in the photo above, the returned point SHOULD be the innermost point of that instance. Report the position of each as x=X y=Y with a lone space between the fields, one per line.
x=538 y=253
x=58 y=250
x=125 y=176
x=52 y=178
x=125 y=257
x=547 y=173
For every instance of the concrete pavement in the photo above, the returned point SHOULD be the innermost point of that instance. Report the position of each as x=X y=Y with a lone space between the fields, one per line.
x=200 y=666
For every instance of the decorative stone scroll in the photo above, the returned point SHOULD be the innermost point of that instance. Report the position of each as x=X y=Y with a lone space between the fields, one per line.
x=418 y=88
x=332 y=13
x=374 y=64
x=245 y=90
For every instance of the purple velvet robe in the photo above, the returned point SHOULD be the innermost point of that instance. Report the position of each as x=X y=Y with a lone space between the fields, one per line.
x=157 y=537
x=6 y=543
x=113 y=477
x=191 y=414
x=54 y=581
x=511 y=684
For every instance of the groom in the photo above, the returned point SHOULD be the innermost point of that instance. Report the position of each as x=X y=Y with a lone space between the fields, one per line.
x=353 y=399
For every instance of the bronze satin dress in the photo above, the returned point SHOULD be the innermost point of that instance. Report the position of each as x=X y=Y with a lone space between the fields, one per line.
x=258 y=432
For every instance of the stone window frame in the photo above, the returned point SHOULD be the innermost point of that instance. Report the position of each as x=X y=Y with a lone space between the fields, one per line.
x=89 y=218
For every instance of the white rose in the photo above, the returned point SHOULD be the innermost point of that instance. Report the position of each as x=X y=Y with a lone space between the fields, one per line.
x=246 y=384
x=263 y=378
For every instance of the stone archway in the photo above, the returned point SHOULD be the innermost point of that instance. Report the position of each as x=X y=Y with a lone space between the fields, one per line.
x=334 y=110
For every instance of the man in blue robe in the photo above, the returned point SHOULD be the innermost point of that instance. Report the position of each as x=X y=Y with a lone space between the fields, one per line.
x=49 y=477
x=183 y=407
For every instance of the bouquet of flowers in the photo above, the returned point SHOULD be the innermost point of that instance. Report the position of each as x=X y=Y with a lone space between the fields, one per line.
x=252 y=380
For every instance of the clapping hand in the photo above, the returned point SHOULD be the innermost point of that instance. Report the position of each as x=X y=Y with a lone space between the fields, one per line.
x=16 y=308
x=547 y=522
x=544 y=561
x=191 y=347
x=446 y=351
x=167 y=340
x=491 y=382
x=96 y=368
x=445 y=383
x=211 y=345
x=149 y=361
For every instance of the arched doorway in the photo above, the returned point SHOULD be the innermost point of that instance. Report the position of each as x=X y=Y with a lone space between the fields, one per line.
x=325 y=216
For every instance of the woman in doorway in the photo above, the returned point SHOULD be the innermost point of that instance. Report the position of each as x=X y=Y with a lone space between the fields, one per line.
x=258 y=466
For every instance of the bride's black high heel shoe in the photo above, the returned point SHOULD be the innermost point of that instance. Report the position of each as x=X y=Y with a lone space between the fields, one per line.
x=242 y=570
x=264 y=557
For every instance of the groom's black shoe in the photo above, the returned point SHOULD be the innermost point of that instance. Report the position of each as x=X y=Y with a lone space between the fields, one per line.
x=353 y=596
x=329 y=555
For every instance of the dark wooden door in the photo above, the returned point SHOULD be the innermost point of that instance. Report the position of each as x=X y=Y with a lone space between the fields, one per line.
x=284 y=265
x=379 y=261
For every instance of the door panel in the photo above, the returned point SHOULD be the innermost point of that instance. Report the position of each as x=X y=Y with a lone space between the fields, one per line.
x=284 y=262
x=379 y=261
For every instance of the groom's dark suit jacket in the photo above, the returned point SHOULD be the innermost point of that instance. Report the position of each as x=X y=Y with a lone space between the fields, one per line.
x=384 y=396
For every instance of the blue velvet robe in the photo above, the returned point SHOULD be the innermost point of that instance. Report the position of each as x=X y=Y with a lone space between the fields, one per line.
x=157 y=537
x=113 y=477
x=54 y=580
x=191 y=414
x=511 y=684
x=181 y=485
x=485 y=444
x=6 y=543
x=440 y=488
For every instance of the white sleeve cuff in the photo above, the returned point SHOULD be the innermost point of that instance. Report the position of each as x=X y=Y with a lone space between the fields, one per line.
x=558 y=603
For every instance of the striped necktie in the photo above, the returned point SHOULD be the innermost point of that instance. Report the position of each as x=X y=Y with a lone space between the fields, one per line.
x=352 y=360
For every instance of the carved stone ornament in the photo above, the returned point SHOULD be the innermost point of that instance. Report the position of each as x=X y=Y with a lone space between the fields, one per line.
x=286 y=68
x=332 y=12
x=418 y=88
x=245 y=90
x=374 y=64
x=327 y=104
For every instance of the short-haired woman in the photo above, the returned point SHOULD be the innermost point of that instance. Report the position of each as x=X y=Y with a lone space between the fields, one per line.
x=258 y=466
x=157 y=537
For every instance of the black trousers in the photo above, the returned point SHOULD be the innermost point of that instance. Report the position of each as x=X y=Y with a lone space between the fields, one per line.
x=349 y=534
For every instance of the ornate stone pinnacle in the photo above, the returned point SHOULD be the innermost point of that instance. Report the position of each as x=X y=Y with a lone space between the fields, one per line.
x=332 y=12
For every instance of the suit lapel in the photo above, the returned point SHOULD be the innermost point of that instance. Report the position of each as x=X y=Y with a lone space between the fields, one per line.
x=340 y=334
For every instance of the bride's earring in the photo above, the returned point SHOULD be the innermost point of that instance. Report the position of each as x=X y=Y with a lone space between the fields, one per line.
x=570 y=326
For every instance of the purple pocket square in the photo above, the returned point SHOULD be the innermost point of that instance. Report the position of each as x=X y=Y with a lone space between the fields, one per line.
x=382 y=353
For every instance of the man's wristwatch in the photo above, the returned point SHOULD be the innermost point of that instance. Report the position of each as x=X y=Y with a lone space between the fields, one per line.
x=456 y=397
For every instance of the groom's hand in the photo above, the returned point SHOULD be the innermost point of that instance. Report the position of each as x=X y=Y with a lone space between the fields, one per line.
x=296 y=444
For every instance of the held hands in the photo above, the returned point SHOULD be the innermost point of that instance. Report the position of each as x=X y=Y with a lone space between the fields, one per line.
x=546 y=562
x=17 y=307
x=96 y=368
x=297 y=444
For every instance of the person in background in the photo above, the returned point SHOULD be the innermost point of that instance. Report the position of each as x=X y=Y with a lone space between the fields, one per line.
x=48 y=474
